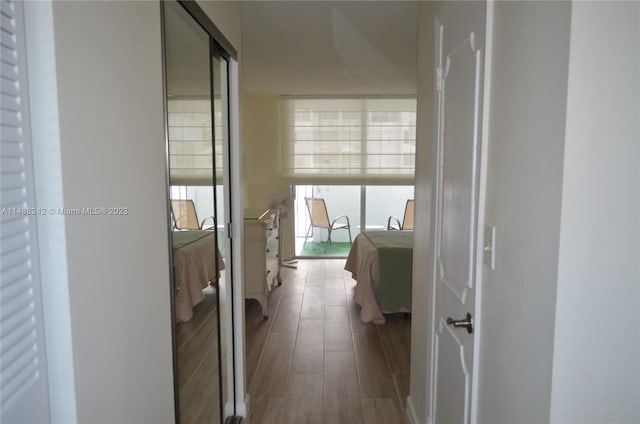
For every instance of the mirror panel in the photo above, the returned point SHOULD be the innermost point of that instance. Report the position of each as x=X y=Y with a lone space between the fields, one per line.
x=196 y=168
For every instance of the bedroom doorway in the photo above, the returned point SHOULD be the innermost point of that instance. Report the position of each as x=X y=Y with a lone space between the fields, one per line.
x=197 y=81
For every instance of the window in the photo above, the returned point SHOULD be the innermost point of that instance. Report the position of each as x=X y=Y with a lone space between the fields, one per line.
x=363 y=141
x=190 y=147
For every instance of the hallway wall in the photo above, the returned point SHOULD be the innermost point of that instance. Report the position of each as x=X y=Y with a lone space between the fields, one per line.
x=596 y=373
x=108 y=78
x=110 y=99
x=524 y=181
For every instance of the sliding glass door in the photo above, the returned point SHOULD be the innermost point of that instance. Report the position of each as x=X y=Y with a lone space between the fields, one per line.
x=355 y=153
x=368 y=208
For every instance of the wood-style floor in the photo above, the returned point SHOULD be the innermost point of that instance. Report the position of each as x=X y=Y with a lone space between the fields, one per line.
x=314 y=361
x=197 y=351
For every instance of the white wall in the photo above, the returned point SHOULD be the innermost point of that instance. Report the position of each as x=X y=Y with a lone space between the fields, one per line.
x=422 y=249
x=560 y=333
x=524 y=175
x=261 y=156
x=596 y=374
x=385 y=201
x=109 y=70
x=261 y=150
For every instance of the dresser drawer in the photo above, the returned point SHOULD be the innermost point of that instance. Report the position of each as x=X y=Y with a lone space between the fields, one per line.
x=261 y=255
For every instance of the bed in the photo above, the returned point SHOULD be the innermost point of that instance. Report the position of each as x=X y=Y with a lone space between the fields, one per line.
x=381 y=263
x=194 y=266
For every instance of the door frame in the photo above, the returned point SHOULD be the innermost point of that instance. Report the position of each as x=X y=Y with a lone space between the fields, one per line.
x=483 y=230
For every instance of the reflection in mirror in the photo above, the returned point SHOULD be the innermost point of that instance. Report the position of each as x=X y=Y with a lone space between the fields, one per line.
x=196 y=193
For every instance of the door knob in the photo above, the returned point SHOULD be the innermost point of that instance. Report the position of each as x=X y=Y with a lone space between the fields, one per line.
x=468 y=323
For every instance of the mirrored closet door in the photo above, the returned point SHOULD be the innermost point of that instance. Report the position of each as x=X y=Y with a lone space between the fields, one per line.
x=196 y=73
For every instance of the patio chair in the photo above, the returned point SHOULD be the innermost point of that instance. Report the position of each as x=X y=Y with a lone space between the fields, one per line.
x=320 y=219
x=407 y=221
x=185 y=217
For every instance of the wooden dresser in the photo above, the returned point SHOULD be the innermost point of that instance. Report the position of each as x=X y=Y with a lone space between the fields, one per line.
x=261 y=254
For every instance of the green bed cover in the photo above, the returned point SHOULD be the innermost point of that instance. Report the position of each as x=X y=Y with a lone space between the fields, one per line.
x=395 y=252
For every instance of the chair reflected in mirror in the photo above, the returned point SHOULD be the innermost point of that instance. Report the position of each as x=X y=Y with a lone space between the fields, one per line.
x=184 y=216
x=393 y=223
x=320 y=219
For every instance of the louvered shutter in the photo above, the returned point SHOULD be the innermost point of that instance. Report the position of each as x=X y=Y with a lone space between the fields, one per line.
x=23 y=379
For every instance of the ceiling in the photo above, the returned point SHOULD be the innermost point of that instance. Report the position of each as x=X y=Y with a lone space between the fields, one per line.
x=329 y=48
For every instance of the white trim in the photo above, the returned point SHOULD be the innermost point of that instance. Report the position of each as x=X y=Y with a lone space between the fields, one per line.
x=226 y=317
x=237 y=222
x=482 y=189
x=51 y=228
x=435 y=217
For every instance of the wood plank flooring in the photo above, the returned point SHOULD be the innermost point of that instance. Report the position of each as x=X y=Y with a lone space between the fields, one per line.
x=314 y=361
x=197 y=350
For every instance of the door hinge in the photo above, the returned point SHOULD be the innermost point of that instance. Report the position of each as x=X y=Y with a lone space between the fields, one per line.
x=228 y=230
x=439 y=78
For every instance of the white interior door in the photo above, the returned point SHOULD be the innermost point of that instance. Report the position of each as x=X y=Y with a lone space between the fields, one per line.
x=460 y=48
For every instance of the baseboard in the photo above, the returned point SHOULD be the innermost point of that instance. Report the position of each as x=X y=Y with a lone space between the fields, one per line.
x=411 y=412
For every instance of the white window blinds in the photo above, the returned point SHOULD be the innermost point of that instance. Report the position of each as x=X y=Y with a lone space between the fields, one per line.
x=349 y=141
x=23 y=380
x=191 y=155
